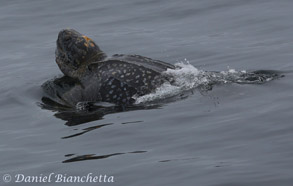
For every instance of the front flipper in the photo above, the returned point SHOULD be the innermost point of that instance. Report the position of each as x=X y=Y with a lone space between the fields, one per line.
x=89 y=105
x=55 y=91
x=115 y=91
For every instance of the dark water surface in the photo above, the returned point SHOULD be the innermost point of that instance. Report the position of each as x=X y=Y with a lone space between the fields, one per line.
x=234 y=135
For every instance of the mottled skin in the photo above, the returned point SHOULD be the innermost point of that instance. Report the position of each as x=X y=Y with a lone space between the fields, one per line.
x=91 y=76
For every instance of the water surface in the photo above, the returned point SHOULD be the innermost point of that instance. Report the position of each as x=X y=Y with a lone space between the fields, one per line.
x=234 y=135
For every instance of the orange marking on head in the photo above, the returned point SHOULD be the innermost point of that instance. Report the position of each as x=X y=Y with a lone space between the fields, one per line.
x=87 y=38
x=92 y=44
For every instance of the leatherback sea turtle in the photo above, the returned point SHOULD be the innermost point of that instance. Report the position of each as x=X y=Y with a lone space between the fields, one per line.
x=91 y=76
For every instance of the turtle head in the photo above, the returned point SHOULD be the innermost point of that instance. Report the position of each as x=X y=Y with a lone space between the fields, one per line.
x=74 y=52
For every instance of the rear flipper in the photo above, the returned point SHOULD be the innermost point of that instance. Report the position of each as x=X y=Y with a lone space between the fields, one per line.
x=242 y=77
x=258 y=77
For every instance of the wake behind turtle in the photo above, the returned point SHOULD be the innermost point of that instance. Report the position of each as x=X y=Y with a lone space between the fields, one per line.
x=90 y=76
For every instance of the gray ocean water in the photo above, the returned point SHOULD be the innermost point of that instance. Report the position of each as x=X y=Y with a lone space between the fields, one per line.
x=235 y=135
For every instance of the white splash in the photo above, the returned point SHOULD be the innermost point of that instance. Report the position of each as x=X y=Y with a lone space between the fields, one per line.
x=185 y=77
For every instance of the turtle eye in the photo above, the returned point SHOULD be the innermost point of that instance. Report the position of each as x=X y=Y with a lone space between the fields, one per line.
x=67 y=38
